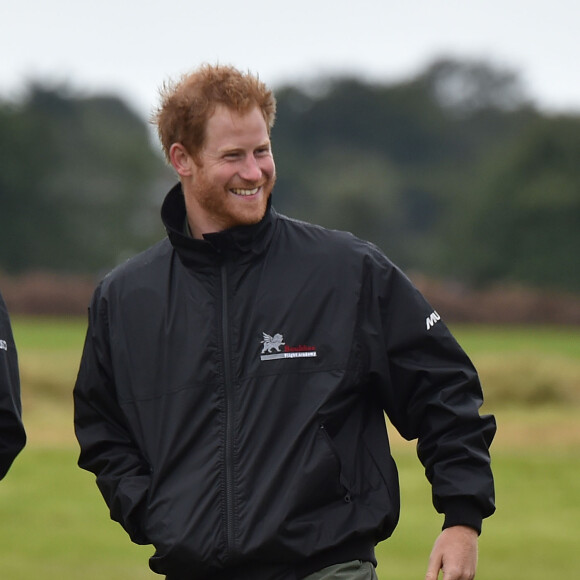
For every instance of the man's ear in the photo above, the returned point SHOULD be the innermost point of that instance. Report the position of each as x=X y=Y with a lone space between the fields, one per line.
x=181 y=160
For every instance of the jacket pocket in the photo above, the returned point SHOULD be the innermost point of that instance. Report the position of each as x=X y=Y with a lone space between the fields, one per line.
x=382 y=476
x=316 y=482
x=343 y=481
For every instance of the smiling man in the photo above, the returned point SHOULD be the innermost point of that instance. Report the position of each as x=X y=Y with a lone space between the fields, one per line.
x=235 y=376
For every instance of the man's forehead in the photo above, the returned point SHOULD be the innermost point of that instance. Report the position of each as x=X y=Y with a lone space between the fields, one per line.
x=228 y=125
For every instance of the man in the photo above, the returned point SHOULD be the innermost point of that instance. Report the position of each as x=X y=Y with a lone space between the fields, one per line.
x=12 y=435
x=231 y=392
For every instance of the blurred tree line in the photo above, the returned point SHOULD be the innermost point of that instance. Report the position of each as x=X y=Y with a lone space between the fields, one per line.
x=453 y=173
x=79 y=182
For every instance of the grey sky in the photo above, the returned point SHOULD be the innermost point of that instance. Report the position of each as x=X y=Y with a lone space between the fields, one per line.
x=129 y=47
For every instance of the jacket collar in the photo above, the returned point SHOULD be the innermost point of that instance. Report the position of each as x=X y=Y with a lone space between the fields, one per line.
x=237 y=243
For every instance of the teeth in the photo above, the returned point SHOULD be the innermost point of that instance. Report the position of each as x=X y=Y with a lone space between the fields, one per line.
x=245 y=192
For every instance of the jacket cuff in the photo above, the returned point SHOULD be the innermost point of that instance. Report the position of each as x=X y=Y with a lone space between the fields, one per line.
x=462 y=512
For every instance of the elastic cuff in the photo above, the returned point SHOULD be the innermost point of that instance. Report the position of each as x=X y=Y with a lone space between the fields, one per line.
x=462 y=512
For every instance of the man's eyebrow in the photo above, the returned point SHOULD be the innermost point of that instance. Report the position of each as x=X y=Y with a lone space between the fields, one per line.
x=236 y=148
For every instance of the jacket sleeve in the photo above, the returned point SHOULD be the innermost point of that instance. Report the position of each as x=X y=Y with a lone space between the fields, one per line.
x=12 y=434
x=107 y=446
x=431 y=392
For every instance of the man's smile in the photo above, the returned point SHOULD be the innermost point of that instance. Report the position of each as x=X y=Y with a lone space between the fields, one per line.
x=245 y=192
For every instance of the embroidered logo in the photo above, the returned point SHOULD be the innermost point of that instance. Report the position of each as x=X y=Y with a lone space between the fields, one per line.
x=272 y=342
x=276 y=342
x=3 y=345
x=432 y=319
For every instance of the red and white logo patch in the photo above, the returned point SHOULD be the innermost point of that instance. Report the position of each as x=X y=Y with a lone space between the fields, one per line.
x=275 y=348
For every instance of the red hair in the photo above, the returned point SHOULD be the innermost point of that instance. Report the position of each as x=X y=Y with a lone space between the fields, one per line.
x=186 y=105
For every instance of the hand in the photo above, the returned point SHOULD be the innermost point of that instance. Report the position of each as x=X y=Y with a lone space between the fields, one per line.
x=454 y=552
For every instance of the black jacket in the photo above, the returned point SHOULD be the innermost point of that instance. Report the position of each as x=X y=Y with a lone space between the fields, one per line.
x=231 y=392
x=12 y=435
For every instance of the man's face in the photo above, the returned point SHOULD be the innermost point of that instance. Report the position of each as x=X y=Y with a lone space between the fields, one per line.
x=234 y=175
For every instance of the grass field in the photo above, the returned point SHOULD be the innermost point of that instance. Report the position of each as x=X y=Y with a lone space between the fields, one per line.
x=54 y=524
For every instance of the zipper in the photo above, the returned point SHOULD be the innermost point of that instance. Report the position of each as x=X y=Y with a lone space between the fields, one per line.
x=229 y=416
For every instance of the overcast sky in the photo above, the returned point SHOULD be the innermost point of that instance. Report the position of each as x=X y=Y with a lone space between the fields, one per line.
x=128 y=47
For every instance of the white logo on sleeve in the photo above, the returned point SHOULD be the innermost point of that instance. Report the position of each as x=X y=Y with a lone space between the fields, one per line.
x=432 y=319
x=3 y=345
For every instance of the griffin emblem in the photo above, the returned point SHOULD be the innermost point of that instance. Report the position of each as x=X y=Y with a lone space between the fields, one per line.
x=272 y=342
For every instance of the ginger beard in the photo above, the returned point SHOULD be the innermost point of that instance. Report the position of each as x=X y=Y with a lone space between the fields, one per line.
x=232 y=205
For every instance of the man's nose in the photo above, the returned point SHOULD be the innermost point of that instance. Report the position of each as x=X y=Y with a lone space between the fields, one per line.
x=250 y=170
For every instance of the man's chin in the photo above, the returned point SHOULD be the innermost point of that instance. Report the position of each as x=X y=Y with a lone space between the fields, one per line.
x=254 y=219
x=247 y=212
x=254 y=215
x=244 y=219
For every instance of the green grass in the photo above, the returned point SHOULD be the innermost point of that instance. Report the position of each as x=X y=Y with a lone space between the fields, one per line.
x=533 y=365
x=538 y=340
x=49 y=351
x=49 y=333
x=54 y=523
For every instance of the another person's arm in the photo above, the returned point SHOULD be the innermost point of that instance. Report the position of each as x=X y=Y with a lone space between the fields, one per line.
x=12 y=434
